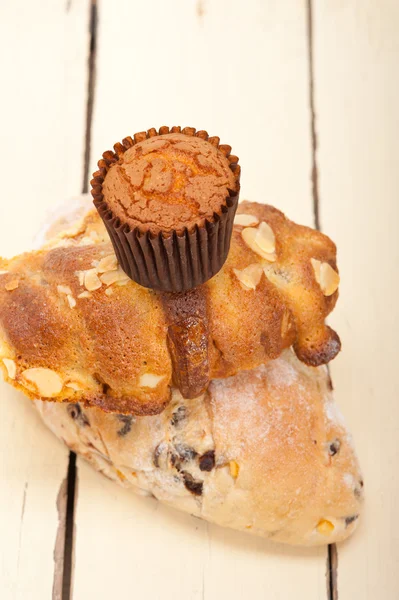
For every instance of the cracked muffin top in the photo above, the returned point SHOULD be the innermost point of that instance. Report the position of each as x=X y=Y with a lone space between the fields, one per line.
x=168 y=183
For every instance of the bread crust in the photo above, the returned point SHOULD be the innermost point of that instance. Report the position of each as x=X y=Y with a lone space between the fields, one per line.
x=104 y=343
x=265 y=452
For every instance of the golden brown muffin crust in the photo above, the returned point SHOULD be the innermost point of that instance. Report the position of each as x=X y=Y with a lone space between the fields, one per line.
x=168 y=182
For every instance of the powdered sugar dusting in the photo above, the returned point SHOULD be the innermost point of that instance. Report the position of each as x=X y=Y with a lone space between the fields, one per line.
x=236 y=403
x=281 y=373
x=349 y=480
x=264 y=420
x=268 y=407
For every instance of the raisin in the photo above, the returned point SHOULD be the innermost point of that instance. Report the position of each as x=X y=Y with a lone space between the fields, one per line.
x=178 y=416
x=207 y=461
x=333 y=447
x=193 y=486
x=358 y=491
x=157 y=453
x=349 y=520
x=75 y=412
x=186 y=453
x=127 y=421
x=175 y=461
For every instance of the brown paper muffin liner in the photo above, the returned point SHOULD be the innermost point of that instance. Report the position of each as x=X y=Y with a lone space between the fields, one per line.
x=176 y=261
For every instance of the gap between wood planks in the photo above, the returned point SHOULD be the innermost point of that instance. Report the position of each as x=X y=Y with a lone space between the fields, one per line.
x=64 y=545
x=332 y=554
x=91 y=84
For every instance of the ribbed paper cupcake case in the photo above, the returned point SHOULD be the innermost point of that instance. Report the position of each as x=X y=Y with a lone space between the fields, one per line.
x=176 y=261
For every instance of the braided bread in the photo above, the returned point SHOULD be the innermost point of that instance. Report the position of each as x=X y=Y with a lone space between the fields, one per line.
x=74 y=327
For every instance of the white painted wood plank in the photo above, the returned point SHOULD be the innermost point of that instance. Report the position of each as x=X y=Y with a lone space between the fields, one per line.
x=43 y=48
x=43 y=80
x=357 y=98
x=127 y=544
x=240 y=74
x=243 y=75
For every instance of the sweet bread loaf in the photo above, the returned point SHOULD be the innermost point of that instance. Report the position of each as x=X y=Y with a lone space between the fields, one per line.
x=74 y=327
x=265 y=452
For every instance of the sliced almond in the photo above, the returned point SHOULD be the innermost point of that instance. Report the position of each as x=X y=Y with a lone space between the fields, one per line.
x=250 y=276
x=3 y=272
x=92 y=281
x=249 y=236
x=12 y=285
x=64 y=289
x=11 y=367
x=109 y=291
x=47 y=382
x=150 y=380
x=316 y=264
x=108 y=263
x=114 y=277
x=71 y=301
x=77 y=387
x=246 y=220
x=265 y=238
x=81 y=276
x=84 y=295
x=124 y=281
x=329 y=279
x=326 y=277
x=86 y=241
x=277 y=277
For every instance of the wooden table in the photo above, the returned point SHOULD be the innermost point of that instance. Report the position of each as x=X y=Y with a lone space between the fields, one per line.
x=308 y=96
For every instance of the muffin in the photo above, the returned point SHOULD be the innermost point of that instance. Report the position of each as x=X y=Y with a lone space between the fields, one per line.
x=168 y=200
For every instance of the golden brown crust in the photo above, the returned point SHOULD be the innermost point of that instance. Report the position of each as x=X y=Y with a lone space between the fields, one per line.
x=120 y=346
x=167 y=183
x=293 y=277
x=188 y=340
x=319 y=351
x=126 y=406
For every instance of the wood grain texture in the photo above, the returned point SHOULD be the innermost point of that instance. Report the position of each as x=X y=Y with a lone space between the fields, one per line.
x=239 y=74
x=33 y=467
x=43 y=57
x=242 y=75
x=126 y=543
x=43 y=50
x=356 y=50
